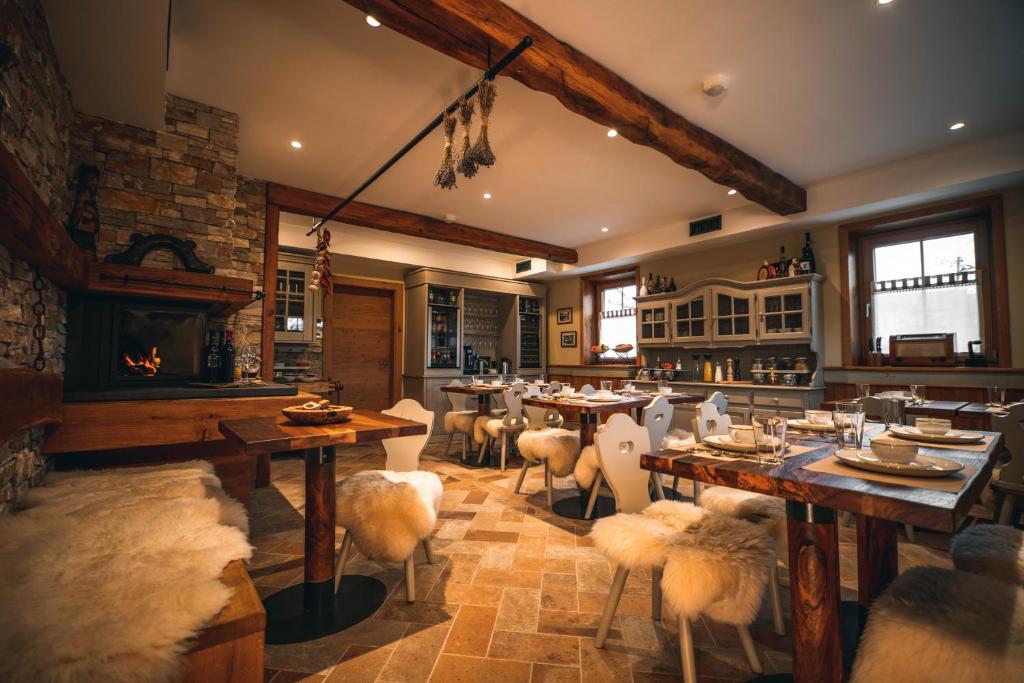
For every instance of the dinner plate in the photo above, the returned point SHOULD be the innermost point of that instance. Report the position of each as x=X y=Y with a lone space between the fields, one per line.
x=809 y=426
x=920 y=466
x=952 y=436
x=727 y=443
x=604 y=398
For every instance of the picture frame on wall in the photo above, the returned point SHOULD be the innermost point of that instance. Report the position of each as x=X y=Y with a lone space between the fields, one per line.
x=568 y=340
x=564 y=316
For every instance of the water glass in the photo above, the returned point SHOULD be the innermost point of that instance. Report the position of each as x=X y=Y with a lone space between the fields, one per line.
x=917 y=392
x=849 y=428
x=892 y=411
x=606 y=385
x=863 y=390
x=996 y=396
x=774 y=435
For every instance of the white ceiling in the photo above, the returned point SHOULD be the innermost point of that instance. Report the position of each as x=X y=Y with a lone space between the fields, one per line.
x=820 y=89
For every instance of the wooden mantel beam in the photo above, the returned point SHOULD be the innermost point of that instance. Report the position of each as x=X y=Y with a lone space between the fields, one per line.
x=466 y=29
x=413 y=224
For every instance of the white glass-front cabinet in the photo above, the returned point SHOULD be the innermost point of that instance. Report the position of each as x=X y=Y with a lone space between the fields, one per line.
x=784 y=313
x=733 y=319
x=690 y=318
x=653 y=323
x=296 y=309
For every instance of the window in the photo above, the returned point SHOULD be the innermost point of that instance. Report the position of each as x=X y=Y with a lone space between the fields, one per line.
x=617 y=320
x=936 y=270
x=295 y=307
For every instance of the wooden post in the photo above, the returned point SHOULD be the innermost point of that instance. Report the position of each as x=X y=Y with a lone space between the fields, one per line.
x=877 y=557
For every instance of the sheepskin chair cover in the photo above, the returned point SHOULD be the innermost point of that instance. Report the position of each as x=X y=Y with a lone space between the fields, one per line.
x=767 y=511
x=641 y=540
x=990 y=549
x=933 y=624
x=678 y=438
x=131 y=562
x=719 y=567
x=388 y=513
x=560 y=447
x=459 y=421
x=485 y=426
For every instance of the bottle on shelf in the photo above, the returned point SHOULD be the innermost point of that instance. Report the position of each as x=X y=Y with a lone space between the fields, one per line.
x=643 y=291
x=227 y=358
x=212 y=360
x=709 y=371
x=729 y=370
x=807 y=264
x=672 y=284
x=718 y=372
x=679 y=363
x=782 y=266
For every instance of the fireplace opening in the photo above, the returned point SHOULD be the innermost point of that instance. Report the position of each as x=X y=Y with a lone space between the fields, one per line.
x=158 y=343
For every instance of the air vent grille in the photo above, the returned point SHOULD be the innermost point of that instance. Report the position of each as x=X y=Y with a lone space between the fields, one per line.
x=706 y=225
x=524 y=266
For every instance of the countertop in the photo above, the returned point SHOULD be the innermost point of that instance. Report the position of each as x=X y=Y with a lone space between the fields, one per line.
x=734 y=385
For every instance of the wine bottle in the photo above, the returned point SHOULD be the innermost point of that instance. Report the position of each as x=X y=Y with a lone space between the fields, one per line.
x=672 y=285
x=807 y=255
x=212 y=362
x=782 y=267
x=227 y=359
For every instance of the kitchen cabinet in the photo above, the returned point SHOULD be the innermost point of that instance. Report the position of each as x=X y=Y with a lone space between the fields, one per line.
x=733 y=319
x=690 y=318
x=653 y=322
x=784 y=313
x=296 y=308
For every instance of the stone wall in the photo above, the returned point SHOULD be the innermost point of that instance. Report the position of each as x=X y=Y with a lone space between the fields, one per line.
x=35 y=124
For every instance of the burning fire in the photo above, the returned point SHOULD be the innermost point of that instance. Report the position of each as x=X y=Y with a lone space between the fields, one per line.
x=143 y=365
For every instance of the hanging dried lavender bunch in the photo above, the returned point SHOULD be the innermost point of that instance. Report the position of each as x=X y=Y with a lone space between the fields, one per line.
x=445 y=176
x=481 y=152
x=467 y=166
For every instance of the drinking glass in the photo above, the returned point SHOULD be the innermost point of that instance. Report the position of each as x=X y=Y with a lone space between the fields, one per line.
x=996 y=396
x=774 y=431
x=606 y=385
x=863 y=390
x=249 y=362
x=849 y=426
x=917 y=392
x=892 y=411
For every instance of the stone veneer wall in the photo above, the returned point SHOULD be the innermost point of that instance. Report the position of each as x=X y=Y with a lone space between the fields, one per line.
x=181 y=181
x=35 y=125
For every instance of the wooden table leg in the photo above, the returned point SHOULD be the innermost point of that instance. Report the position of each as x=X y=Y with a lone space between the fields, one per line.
x=814 y=593
x=877 y=557
x=262 y=478
x=483 y=404
x=588 y=427
x=321 y=513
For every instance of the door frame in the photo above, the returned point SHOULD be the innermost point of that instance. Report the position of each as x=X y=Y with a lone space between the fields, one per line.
x=397 y=292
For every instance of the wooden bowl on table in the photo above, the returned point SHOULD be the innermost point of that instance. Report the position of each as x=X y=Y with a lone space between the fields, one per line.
x=323 y=415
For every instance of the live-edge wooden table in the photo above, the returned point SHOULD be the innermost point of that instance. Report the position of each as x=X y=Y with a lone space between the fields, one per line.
x=575 y=507
x=812 y=499
x=312 y=609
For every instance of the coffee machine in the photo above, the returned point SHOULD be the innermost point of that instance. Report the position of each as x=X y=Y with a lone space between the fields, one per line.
x=468 y=359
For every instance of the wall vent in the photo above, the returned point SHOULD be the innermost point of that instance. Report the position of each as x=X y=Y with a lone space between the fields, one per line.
x=524 y=266
x=705 y=225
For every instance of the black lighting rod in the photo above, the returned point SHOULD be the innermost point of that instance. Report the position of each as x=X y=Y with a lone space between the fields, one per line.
x=489 y=75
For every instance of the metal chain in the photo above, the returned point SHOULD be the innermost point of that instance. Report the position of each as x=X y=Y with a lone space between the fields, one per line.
x=39 y=329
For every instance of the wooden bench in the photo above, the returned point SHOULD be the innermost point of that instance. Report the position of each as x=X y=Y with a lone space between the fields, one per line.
x=230 y=649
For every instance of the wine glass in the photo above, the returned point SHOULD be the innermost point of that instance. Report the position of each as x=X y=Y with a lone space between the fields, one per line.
x=249 y=362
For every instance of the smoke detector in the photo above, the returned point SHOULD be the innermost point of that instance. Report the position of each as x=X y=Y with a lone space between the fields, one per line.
x=715 y=85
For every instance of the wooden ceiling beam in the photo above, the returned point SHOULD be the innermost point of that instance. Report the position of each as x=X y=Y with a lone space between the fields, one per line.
x=309 y=203
x=467 y=29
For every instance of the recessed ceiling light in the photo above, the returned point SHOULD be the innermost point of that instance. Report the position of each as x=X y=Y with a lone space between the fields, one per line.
x=296 y=144
x=604 y=229
x=487 y=195
x=612 y=132
x=883 y=2
x=958 y=125
x=731 y=192
x=372 y=20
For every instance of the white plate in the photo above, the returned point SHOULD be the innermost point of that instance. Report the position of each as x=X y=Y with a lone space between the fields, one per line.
x=604 y=398
x=809 y=426
x=727 y=443
x=920 y=466
x=952 y=436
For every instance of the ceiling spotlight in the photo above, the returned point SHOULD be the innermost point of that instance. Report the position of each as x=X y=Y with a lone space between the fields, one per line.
x=883 y=2
x=958 y=125
x=731 y=192
x=296 y=144
x=612 y=132
x=604 y=229
x=372 y=20
x=487 y=195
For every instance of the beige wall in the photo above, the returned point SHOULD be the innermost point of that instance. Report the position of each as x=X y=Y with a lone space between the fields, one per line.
x=740 y=261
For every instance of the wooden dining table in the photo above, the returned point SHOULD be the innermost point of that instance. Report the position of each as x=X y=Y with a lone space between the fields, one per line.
x=812 y=502
x=313 y=609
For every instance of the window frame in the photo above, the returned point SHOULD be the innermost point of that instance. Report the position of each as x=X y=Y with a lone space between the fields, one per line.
x=599 y=291
x=591 y=288
x=981 y=216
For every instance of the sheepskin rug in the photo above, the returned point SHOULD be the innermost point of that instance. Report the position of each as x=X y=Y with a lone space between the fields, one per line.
x=934 y=624
x=459 y=421
x=767 y=511
x=388 y=513
x=107 y=574
x=990 y=549
x=560 y=447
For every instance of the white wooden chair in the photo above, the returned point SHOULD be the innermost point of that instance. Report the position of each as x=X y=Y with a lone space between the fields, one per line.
x=718 y=398
x=1008 y=480
x=588 y=389
x=707 y=421
x=386 y=513
x=553 y=387
x=487 y=429
x=458 y=420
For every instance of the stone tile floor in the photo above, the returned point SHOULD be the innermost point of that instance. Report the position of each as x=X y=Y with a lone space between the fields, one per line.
x=514 y=593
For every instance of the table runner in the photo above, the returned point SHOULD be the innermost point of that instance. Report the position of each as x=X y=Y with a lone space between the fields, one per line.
x=953 y=483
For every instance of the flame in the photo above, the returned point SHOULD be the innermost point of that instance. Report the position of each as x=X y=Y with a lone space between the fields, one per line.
x=143 y=365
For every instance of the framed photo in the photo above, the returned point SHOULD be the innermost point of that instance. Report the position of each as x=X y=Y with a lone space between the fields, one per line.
x=564 y=316
x=569 y=340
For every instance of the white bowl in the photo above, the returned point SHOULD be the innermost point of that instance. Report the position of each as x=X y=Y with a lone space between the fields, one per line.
x=933 y=425
x=665 y=391
x=891 y=449
x=818 y=417
x=742 y=433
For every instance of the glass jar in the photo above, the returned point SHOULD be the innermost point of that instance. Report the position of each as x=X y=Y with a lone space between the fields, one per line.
x=756 y=365
x=770 y=364
x=789 y=379
x=800 y=364
x=785 y=363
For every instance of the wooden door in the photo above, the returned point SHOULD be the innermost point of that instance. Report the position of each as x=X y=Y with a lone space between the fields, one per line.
x=362 y=342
